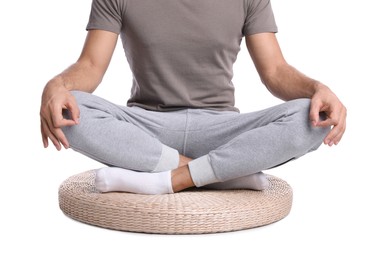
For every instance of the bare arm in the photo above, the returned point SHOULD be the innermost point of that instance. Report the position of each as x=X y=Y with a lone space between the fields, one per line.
x=84 y=75
x=287 y=83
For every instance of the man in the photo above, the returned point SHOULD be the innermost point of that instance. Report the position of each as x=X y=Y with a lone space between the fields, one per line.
x=180 y=127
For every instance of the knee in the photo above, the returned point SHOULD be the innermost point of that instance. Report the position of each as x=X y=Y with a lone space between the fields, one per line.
x=73 y=133
x=79 y=98
x=309 y=138
x=76 y=132
x=94 y=112
x=305 y=137
x=318 y=134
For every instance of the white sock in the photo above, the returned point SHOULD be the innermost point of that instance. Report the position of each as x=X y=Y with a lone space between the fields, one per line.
x=256 y=181
x=117 y=179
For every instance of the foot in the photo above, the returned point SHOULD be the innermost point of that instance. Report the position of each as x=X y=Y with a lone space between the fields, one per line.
x=110 y=179
x=256 y=181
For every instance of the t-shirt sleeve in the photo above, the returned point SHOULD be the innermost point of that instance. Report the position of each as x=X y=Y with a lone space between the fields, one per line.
x=259 y=18
x=106 y=15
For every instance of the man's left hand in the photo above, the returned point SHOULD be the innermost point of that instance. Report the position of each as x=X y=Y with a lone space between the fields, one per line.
x=324 y=100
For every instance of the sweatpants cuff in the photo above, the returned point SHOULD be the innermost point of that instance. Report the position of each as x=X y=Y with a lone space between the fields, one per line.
x=169 y=160
x=202 y=172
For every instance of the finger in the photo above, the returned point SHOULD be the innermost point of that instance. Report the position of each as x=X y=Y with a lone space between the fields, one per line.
x=314 y=112
x=56 y=135
x=335 y=135
x=327 y=122
x=339 y=126
x=59 y=134
x=338 y=138
x=74 y=110
x=44 y=135
x=58 y=120
x=48 y=133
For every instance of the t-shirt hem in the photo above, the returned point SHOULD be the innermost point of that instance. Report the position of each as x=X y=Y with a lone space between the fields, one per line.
x=177 y=108
x=102 y=27
x=261 y=30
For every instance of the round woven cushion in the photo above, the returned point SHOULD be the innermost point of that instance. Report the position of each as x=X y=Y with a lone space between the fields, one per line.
x=194 y=211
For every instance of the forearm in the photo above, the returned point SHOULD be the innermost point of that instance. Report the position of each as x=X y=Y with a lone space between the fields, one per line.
x=287 y=83
x=79 y=76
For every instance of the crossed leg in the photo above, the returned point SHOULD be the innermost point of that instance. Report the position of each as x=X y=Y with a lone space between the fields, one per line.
x=139 y=162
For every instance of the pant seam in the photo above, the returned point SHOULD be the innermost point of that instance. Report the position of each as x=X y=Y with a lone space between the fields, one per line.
x=186 y=131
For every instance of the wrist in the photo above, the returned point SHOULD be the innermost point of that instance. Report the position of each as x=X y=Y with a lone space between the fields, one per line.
x=318 y=86
x=53 y=86
x=57 y=82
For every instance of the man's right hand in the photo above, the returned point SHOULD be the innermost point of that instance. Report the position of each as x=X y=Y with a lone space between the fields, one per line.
x=55 y=99
x=84 y=75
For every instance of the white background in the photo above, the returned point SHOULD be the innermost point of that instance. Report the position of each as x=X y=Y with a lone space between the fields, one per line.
x=334 y=191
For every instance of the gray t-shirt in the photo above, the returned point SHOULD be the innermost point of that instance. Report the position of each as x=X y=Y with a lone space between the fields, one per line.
x=181 y=52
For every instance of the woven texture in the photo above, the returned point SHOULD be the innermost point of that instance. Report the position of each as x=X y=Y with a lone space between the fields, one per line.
x=195 y=211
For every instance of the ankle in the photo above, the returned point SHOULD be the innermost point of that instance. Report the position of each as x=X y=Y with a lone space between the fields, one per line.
x=181 y=179
x=183 y=160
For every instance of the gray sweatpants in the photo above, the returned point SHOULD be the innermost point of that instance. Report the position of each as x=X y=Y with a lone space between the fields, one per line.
x=224 y=145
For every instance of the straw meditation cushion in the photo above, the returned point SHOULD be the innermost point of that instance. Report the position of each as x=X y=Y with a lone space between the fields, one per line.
x=195 y=211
